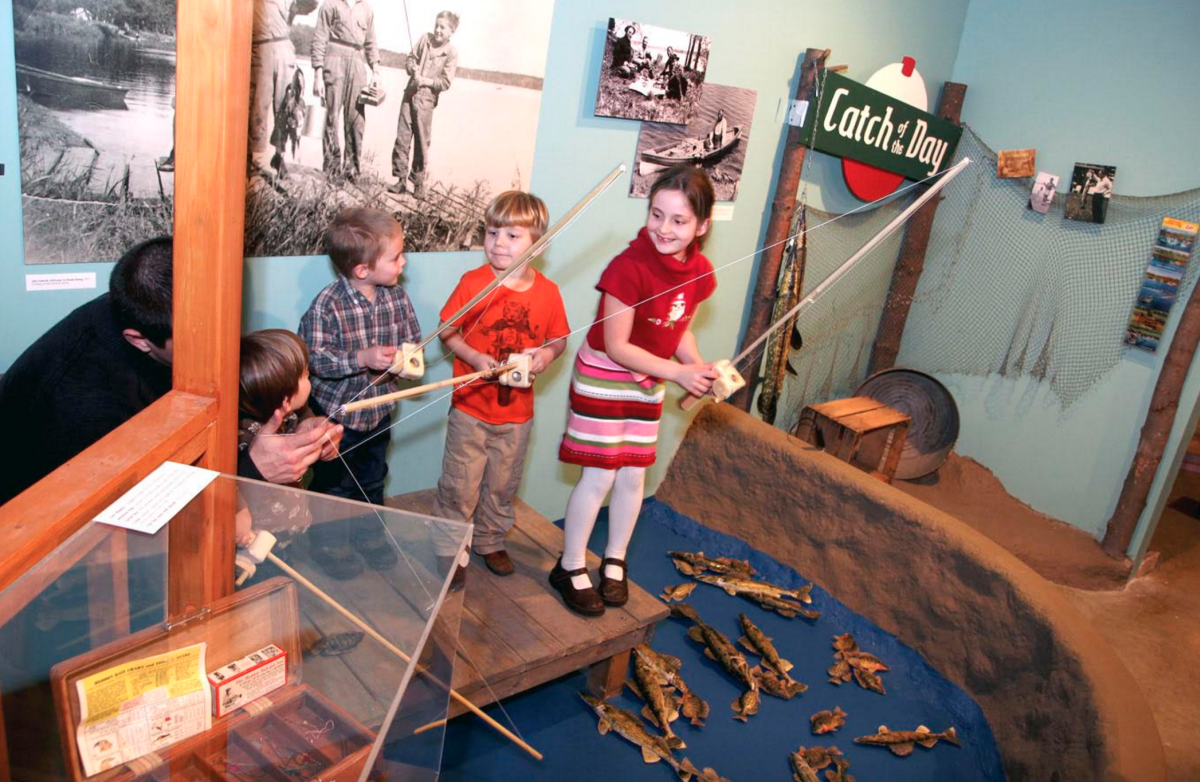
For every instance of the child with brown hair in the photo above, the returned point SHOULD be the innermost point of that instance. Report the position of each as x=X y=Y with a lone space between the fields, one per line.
x=353 y=329
x=489 y=427
x=273 y=393
x=642 y=336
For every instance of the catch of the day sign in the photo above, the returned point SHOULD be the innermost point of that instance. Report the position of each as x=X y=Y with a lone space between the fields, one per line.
x=860 y=123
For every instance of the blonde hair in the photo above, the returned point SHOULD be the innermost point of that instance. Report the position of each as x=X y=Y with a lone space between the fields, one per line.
x=514 y=207
x=359 y=236
x=272 y=363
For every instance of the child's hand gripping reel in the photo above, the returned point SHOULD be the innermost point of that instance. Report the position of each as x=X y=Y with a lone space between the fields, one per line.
x=520 y=371
x=728 y=381
x=409 y=363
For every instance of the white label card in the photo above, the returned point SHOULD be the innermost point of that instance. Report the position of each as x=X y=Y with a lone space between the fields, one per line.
x=160 y=495
x=60 y=282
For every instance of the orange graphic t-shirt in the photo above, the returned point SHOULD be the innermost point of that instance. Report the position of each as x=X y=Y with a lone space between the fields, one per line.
x=504 y=322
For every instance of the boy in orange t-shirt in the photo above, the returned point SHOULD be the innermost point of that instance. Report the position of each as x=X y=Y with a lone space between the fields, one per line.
x=489 y=426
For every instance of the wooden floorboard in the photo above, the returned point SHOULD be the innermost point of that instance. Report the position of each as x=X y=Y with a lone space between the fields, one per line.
x=515 y=630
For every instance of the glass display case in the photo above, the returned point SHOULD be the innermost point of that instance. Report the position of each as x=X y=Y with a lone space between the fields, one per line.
x=297 y=675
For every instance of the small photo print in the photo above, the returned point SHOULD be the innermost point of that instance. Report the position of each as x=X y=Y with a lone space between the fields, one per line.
x=1091 y=189
x=651 y=73
x=1044 y=188
x=1013 y=163
x=715 y=139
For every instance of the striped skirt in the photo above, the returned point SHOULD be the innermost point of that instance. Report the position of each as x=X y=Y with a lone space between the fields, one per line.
x=613 y=420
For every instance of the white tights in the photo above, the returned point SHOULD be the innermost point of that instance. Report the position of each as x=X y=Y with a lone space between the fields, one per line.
x=627 y=485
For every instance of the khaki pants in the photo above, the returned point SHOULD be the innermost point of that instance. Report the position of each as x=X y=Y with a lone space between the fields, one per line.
x=481 y=471
x=414 y=129
x=272 y=65
x=345 y=77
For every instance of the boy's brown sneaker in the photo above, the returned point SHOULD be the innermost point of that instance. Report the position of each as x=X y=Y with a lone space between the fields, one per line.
x=499 y=563
x=581 y=601
x=614 y=591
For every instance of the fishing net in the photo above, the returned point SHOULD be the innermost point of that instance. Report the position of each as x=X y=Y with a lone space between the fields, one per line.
x=1005 y=291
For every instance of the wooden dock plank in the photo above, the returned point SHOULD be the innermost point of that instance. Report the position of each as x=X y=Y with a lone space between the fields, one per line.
x=76 y=163
x=515 y=628
x=143 y=177
x=108 y=175
x=41 y=162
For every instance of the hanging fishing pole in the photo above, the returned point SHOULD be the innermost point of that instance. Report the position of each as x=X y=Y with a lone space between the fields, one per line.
x=729 y=380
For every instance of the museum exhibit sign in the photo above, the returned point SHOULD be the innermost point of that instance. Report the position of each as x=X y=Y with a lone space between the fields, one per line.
x=851 y=120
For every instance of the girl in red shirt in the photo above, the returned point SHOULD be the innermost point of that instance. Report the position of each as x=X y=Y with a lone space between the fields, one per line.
x=642 y=338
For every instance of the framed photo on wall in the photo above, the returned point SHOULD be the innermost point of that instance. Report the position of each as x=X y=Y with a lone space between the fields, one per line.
x=651 y=73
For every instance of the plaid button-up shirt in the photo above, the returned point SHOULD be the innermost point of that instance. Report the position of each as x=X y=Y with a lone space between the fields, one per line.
x=340 y=322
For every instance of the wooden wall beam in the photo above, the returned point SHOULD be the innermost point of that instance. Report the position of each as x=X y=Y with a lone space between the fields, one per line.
x=787 y=183
x=911 y=263
x=1156 y=432
x=213 y=104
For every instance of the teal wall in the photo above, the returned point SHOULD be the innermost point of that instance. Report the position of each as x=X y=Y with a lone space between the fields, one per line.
x=756 y=45
x=1105 y=82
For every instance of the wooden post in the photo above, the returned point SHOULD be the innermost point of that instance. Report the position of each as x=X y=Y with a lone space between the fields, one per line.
x=911 y=263
x=1156 y=432
x=777 y=227
x=607 y=677
x=213 y=99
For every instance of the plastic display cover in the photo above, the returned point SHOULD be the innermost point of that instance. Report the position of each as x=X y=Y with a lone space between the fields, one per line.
x=337 y=645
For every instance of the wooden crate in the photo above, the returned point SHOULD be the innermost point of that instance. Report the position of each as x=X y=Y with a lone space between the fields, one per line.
x=287 y=722
x=862 y=431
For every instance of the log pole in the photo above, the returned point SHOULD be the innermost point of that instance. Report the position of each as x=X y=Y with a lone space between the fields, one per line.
x=911 y=263
x=1156 y=432
x=780 y=222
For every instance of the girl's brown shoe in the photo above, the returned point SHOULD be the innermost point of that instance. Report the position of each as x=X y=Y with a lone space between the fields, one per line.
x=614 y=591
x=581 y=601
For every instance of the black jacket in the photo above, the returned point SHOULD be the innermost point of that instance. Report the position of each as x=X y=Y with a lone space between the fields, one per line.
x=77 y=383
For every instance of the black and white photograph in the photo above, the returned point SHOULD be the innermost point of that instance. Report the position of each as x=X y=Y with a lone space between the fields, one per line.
x=95 y=93
x=716 y=140
x=1091 y=189
x=420 y=108
x=651 y=73
x=1042 y=195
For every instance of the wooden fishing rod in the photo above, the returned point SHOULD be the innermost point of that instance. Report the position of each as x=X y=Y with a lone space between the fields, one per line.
x=366 y=628
x=396 y=396
x=729 y=380
x=411 y=357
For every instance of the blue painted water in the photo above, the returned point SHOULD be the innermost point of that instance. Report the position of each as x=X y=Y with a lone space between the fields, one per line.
x=557 y=722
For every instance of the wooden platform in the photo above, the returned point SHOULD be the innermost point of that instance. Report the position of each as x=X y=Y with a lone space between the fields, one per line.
x=516 y=628
x=514 y=632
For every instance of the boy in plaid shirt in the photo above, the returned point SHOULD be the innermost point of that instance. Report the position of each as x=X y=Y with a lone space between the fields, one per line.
x=353 y=329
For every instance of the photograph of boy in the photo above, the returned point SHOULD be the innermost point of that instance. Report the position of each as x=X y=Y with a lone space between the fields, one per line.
x=359 y=113
x=488 y=431
x=431 y=68
x=353 y=329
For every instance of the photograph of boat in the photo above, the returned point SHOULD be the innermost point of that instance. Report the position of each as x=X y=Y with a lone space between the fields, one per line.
x=715 y=139
x=692 y=150
x=55 y=89
x=95 y=118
